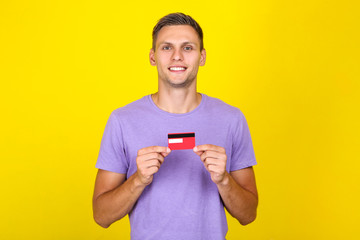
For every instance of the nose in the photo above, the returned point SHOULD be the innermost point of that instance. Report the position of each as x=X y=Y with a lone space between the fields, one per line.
x=177 y=55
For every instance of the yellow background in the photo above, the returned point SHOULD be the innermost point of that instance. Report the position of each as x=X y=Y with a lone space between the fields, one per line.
x=292 y=67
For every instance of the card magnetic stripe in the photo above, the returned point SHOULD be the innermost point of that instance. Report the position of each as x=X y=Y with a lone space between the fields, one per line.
x=181 y=135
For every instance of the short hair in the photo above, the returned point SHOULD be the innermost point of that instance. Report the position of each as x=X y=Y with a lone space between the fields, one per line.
x=177 y=19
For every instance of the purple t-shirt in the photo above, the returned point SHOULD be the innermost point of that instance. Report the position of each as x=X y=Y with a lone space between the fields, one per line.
x=182 y=202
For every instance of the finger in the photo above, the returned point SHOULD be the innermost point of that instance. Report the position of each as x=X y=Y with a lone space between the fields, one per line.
x=150 y=156
x=148 y=172
x=213 y=169
x=165 y=154
x=146 y=168
x=151 y=163
x=158 y=149
x=206 y=147
x=213 y=161
x=198 y=152
x=152 y=170
x=211 y=154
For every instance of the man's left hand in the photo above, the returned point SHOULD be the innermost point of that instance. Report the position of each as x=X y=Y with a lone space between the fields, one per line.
x=214 y=159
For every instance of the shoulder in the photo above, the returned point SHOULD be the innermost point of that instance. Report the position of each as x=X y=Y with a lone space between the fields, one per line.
x=223 y=109
x=132 y=109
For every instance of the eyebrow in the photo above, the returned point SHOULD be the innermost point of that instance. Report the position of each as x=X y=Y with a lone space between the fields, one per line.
x=184 y=43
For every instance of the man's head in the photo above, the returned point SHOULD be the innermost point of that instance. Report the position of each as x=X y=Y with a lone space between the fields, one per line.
x=177 y=19
x=177 y=50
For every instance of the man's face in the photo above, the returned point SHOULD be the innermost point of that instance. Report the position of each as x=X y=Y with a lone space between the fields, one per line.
x=177 y=55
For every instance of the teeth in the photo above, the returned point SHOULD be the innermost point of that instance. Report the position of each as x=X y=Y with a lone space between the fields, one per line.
x=177 y=68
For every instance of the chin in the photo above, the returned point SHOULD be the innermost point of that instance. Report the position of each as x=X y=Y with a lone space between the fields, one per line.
x=182 y=84
x=179 y=85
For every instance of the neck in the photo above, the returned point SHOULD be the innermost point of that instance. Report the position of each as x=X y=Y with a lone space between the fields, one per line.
x=179 y=101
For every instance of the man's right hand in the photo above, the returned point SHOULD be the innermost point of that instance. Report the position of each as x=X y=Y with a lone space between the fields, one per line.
x=114 y=196
x=148 y=162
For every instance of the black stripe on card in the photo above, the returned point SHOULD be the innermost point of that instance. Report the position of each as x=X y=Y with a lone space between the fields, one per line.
x=181 y=135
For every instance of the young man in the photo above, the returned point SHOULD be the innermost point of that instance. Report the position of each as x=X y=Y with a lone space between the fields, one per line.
x=178 y=193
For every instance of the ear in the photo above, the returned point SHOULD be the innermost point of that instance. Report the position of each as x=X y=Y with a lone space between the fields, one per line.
x=203 y=57
x=152 y=57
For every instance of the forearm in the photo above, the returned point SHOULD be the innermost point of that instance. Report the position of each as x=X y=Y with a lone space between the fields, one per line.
x=240 y=203
x=117 y=203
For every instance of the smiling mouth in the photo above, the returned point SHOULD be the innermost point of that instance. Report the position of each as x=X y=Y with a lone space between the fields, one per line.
x=177 y=69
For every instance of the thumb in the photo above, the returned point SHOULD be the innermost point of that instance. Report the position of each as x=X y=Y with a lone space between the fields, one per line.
x=197 y=152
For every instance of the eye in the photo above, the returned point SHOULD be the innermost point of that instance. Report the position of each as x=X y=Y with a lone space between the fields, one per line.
x=188 y=48
x=166 y=48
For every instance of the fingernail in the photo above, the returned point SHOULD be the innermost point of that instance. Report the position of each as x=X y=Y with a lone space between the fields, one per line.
x=168 y=150
x=195 y=149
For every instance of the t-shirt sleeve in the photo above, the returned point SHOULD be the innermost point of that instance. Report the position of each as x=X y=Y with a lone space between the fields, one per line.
x=242 y=155
x=112 y=154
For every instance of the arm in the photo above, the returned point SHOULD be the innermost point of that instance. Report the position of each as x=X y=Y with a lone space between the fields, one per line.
x=237 y=189
x=239 y=194
x=114 y=197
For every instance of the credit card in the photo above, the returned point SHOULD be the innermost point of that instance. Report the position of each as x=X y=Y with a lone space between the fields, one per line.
x=179 y=141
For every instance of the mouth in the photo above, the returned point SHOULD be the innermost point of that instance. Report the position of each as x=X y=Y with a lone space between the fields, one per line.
x=177 y=69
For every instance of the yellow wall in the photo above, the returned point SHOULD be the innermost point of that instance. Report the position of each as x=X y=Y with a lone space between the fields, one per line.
x=292 y=67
